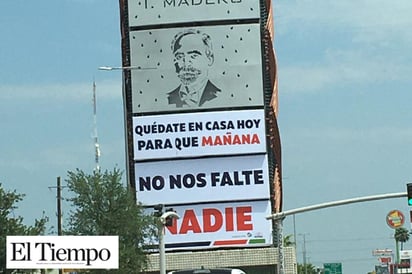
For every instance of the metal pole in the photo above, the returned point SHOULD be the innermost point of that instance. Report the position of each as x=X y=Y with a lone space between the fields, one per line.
x=161 y=231
x=336 y=203
x=162 y=253
x=59 y=207
x=295 y=269
x=59 y=211
x=281 y=255
x=304 y=253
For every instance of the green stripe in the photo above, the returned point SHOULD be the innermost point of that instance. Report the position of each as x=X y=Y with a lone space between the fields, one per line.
x=256 y=241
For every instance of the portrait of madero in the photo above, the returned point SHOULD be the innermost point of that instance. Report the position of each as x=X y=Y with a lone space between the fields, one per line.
x=191 y=68
x=193 y=58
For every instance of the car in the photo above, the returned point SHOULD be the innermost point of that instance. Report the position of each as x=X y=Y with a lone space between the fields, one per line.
x=209 y=271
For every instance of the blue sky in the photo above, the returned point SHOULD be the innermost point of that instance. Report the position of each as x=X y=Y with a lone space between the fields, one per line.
x=345 y=117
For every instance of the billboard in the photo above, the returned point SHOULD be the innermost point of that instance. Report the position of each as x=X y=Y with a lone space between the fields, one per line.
x=240 y=224
x=155 y=12
x=201 y=67
x=203 y=134
x=201 y=108
x=202 y=180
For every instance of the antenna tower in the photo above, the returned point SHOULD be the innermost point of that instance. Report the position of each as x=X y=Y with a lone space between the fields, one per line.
x=96 y=142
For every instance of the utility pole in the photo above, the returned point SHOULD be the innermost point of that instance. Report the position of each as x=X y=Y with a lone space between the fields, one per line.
x=295 y=239
x=304 y=256
x=59 y=210
x=59 y=207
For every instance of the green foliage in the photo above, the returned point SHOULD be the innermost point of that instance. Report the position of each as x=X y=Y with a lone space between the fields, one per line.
x=306 y=269
x=103 y=206
x=11 y=225
x=287 y=240
x=401 y=235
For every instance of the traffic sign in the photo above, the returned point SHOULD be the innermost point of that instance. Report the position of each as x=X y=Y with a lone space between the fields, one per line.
x=395 y=219
x=332 y=268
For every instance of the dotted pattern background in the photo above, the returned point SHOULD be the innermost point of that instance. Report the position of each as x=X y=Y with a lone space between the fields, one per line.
x=152 y=12
x=237 y=68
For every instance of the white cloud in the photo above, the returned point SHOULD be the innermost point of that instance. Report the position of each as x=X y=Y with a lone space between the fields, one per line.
x=337 y=68
x=343 y=14
x=375 y=46
x=311 y=78
x=341 y=67
x=63 y=156
x=377 y=135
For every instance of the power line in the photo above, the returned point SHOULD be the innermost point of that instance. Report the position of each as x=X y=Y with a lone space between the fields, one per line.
x=349 y=239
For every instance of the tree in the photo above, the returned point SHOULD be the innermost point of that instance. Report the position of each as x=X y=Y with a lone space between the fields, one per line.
x=307 y=269
x=287 y=240
x=103 y=206
x=401 y=235
x=11 y=225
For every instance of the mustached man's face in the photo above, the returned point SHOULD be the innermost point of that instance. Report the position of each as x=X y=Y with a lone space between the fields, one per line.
x=190 y=60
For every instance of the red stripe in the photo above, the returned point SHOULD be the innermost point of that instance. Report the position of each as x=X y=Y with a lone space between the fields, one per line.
x=230 y=242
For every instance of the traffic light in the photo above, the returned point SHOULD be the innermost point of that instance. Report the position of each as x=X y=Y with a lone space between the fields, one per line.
x=158 y=210
x=409 y=190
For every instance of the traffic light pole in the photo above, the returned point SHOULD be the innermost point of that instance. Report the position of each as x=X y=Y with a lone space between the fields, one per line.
x=278 y=217
x=283 y=214
x=161 y=231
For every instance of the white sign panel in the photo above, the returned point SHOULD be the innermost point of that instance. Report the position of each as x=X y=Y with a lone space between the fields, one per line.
x=202 y=180
x=199 y=134
x=220 y=225
x=79 y=252
x=196 y=68
x=153 y=12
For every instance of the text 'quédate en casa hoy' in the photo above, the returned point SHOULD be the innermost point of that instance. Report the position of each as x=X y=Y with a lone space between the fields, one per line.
x=223 y=139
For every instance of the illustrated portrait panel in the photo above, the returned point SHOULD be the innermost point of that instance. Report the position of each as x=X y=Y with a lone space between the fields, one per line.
x=202 y=67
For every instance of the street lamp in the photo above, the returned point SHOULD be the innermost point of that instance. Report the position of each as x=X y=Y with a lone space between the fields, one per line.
x=162 y=253
x=127 y=115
